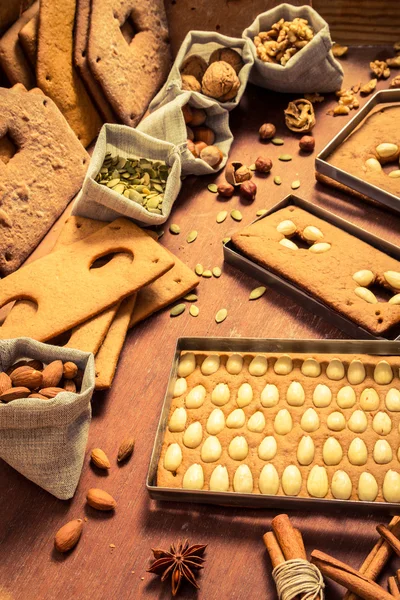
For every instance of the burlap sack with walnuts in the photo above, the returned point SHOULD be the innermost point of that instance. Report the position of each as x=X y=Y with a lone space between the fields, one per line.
x=45 y=440
x=167 y=123
x=312 y=69
x=96 y=201
x=204 y=43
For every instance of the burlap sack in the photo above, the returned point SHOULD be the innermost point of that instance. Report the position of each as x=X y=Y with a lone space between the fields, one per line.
x=204 y=43
x=45 y=440
x=167 y=123
x=313 y=69
x=96 y=201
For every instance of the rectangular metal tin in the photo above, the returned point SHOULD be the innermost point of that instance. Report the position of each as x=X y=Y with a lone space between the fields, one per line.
x=262 y=274
x=255 y=345
x=325 y=168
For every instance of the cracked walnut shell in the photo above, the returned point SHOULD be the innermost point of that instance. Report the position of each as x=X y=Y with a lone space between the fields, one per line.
x=299 y=115
x=220 y=81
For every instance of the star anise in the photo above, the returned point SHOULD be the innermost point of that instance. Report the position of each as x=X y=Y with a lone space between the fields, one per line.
x=179 y=562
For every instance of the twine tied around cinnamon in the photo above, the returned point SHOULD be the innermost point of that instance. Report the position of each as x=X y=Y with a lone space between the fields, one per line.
x=298 y=577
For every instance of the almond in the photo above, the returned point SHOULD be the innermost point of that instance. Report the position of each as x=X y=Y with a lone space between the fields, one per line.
x=100 y=458
x=126 y=449
x=35 y=364
x=69 y=386
x=20 y=363
x=100 y=499
x=51 y=392
x=70 y=370
x=37 y=395
x=26 y=377
x=14 y=394
x=52 y=374
x=68 y=536
x=5 y=382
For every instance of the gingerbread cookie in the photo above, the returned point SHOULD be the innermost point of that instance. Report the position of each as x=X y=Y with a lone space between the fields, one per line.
x=12 y=57
x=28 y=38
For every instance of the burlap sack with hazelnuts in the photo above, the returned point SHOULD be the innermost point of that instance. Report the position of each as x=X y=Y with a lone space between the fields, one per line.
x=312 y=68
x=202 y=44
x=168 y=123
x=45 y=440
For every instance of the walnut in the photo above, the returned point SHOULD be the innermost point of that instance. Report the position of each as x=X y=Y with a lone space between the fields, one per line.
x=194 y=65
x=338 y=50
x=283 y=41
x=394 y=62
x=228 y=55
x=340 y=109
x=395 y=83
x=380 y=69
x=190 y=83
x=313 y=98
x=299 y=115
x=369 y=87
x=220 y=81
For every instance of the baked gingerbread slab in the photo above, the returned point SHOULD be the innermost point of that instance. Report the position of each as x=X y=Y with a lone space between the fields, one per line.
x=299 y=425
x=337 y=268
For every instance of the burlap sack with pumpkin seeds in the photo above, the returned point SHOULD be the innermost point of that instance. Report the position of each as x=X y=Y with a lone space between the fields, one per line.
x=167 y=123
x=203 y=43
x=96 y=201
x=312 y=69
x=45 y=440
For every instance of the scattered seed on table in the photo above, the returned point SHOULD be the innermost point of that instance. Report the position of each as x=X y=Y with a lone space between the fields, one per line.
x=285 y=157
x=226 y=240
x=277 y=141
x=277 y=180
x=216 y=272
x=199 y=269
x=174 y=228
x=190 y=297
x=221 y=315
x=236 y=215
x=221 y=216
x=207 y=273
x=252 y=167
x=257 y=292
x=212 y=187
x=191 y=236
x=194 y=310
x=177 y=310
x=261 y=213
x=295 y=184
x=160 y=234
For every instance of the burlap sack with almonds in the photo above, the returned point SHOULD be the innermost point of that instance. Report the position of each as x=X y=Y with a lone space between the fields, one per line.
x=96 y=201
x=45 y=440
x=203 y=43
x=312 y=69
x=167 y=123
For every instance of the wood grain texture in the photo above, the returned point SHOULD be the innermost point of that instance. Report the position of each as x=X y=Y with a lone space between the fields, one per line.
x=237 y=566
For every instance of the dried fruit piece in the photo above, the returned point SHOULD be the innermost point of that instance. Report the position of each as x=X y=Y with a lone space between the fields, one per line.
x=100 y=458
x=100 y=500
x=125 y=450
x=68 y=535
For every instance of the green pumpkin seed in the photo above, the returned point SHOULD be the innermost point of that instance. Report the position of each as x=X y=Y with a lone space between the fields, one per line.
x=221 y=216
x=252 y=167
x=191 y=236
x=119 y=188
x=152 y=203
x=177 y=310
x=113 y=182
x=257 y=292
x=261 y=213
x=199 y=269
x=277 y=141
x=194 y=310
x=226 y=240
x=285 y=157
x=135 y=196
x=295 y=184
x=221 y=315
x=190 y=297
x=236 y=215
x=207 y=273
x=160 y=233
x=212 y=187
x=216 y=272
x=277 y=180
x=174 y=228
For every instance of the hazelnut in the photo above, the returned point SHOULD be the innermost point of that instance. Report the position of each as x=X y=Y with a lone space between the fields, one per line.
x=199 y=116
x=212 y=156
x=192 y=148
x=189 y=133
x=236 y=173
x=226 y=190
x=204 y=134
x=267 y=131
x=263 y=164
x=199 y=147
x=195 y=66
x=242 y=174
x=187 y=113
x=190 y=83
x=307 y=143
x=228 y=55
x=220 y=81
x=248 y=190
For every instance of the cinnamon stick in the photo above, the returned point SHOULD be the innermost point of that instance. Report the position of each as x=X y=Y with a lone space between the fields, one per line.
x=377 y=558
x=348 y=577
x=301 y=544
x=287 y=538
x=391 y=539
x=274 y=549
x=393 y=587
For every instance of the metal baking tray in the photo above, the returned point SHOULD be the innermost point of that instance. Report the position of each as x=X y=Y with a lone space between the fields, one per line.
x=234 y=257
x=254 y=345
x=323 y=167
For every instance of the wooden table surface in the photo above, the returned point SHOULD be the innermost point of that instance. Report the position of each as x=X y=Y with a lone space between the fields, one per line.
x=237 y=566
